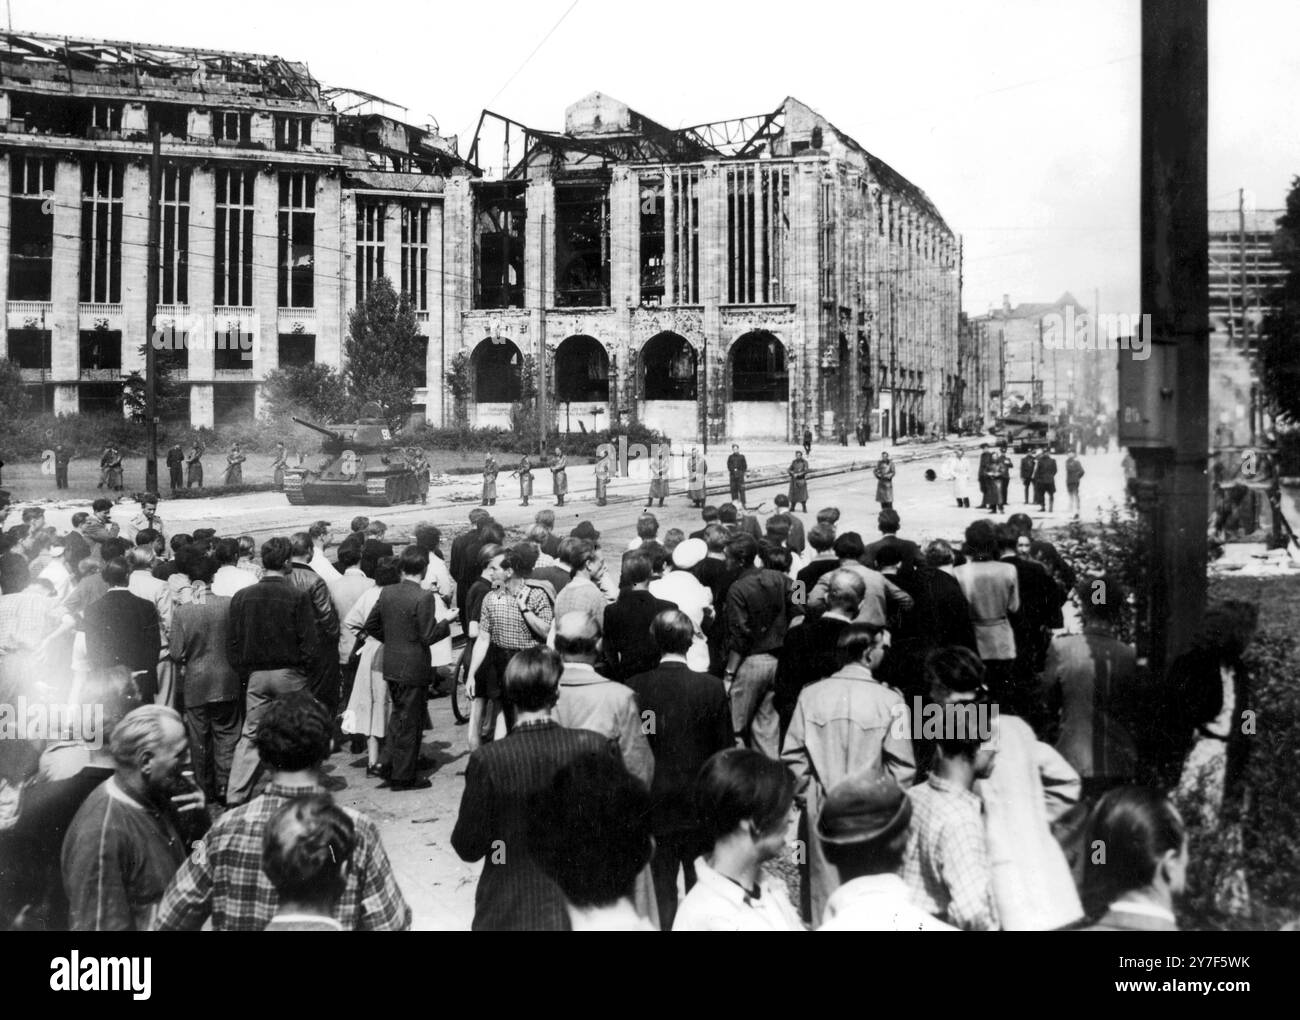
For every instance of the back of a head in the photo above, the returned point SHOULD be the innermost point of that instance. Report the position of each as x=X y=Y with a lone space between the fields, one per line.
x=739 y=785
x=537 y=534
x=855 y=641
x=349 y=554
x=845 y=591
x=307 y=848
x=1007 y=538
x=821 y=537
x=486 y=554
x=545 y=519
x=709 y=514
x=982 y=540
x=116 y=572
x=141 y=558
x=741 y=550
x=637 y=569
x=938 y=553
x=428 y=537
x=247 y=546
x=849 y=546
x=590 y=830
x=888 y=556
x=319 y=529
x=388 y=571
x=295 y=733
x=673 y=537
x=275 y=554
x=776 y=557
x=1137 y=826
x=778 y=527
x=577 y=636
x=532 y=679
x=727 y=513
x=226 y=552
x=146 y=536
x=715 y=537
x=301 y=546
x=521 y=558
x=888 y=521
x=194 y=562
x=647 y=526
x=492 y=533
x=829 y=515
x=414 y=561
x=1022 y=523
x=360 y=524
x=1101 y=600
x=111 y=548
x=673 y=632
x=956 y=668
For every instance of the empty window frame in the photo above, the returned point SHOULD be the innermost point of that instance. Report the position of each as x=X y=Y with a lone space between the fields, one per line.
x=582 y=245
x=100 y=349
x=292 y=132
x=234 y=257
x=231 y=126
x=170 y=120
x=296 y=349
x=500 y=227
x=30 y=348
x=174 y=256
x=415 y=254
x=682 y=252
x=31 y=228
x=101 y=232
x=296 y=257
x=652 y=237
x=826 y=254
x=370 y=244
x=757 y=228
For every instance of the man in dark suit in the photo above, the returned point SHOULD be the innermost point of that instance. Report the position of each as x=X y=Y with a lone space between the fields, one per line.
x=176 y=458
x=986 y=463
x=629 y=649
x=689 y=719
x=122 y=630
x=737 y=465
x=808 y=654
x=889 y=522
x=405 y=619
x=939 y=617
x=501 y=782
x=1045 y=481
x=462 y=561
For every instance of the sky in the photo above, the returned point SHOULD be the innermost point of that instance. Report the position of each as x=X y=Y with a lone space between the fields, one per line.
x=1020 y=120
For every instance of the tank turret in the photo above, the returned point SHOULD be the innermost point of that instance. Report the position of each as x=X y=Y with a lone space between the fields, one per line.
x=359 y=463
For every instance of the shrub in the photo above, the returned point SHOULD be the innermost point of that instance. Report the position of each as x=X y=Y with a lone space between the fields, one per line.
x=1114 y=546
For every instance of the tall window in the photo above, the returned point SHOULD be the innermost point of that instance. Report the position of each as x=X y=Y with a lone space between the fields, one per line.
x=757 y=226
x=582 y=245
x=297 y=252
x=653 y=270
x=231 y=126
x=415 y=254
x=292 y=132
x=174 y=258
x=500 y=228
x=682 y=253
x=31 y=228
x=101 y=232
x=370 y=245
x=234 y=261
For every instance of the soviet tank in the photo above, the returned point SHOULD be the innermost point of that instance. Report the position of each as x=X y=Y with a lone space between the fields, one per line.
x=358 y=463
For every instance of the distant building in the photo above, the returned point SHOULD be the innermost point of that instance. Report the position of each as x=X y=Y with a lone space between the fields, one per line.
x=1243 y=272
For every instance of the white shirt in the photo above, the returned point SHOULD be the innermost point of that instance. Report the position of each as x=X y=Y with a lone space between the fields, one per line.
x=325 y=570
x=877 y=903
x=56 y=572
x=683 y=589
x=144 y=585
x=716 y=903
x=438 y=578
x=228 y=580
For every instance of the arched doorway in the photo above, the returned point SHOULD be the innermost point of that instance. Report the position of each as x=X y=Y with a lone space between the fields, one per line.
x=669 y=388
x=581 y=384
x=496 y=368
x=758 y=387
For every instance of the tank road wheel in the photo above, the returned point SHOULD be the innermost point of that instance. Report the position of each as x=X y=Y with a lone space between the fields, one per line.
x=293 y=489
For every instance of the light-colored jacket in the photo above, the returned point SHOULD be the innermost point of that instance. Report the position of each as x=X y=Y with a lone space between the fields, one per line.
x=881 y=596
x=1030 y=786
x=992 y=589
x=588 y=701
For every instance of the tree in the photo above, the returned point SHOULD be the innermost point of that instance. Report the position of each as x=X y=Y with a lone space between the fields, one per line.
x=169 y=393
x=384 y=351
x=1279 y=347
x=14 y=400
x=313 y=391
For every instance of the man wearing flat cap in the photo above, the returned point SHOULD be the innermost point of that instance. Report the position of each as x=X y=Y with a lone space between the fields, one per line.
x=863 y=831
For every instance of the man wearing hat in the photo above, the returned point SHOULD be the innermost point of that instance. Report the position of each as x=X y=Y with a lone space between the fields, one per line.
x=99 y=526
x=863 y=831
x=849 y=724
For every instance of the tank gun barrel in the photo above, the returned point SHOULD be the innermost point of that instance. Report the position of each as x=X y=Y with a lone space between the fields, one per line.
x=321 y=429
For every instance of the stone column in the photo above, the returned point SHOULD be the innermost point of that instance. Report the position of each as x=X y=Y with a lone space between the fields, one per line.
x=266 y=255
x=135 y=266
x=202 y=328
x=328 y=280
x=65 y=344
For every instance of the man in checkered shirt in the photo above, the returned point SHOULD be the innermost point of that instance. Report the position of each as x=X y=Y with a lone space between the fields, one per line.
x=223 y=878
x=946 y=864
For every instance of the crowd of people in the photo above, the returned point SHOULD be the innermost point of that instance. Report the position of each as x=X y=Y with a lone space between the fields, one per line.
x=763 y=724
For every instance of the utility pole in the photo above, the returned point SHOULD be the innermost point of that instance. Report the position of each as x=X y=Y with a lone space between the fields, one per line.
x=151 y=317
x=1164 y=400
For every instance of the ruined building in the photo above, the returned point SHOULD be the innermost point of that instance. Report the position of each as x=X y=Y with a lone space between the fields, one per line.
x=753 y=277
x=750 y=277
x=265 y=185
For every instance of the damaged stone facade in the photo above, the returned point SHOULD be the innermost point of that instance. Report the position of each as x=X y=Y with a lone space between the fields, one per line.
x=748 y=279
x=260 y=252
